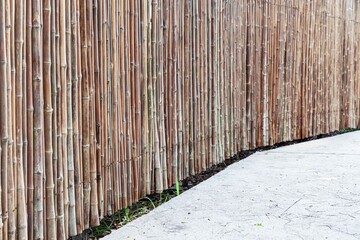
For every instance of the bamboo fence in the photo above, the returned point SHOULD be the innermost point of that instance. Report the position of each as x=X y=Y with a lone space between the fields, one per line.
x=105 y=101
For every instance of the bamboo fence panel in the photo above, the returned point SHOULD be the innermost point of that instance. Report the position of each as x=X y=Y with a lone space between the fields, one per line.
x=105 y=101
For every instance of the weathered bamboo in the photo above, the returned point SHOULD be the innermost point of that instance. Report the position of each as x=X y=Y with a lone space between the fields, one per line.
x=30 y=121
x=72 y=91
x=38 y=94
x=123 y=195
x=69 y=169
x=60 y=116
x=106 y=154
x=94 y=214
x=8 y=212
x=77 y=118
x=3 y=119
x=160 y=97
x=62 y=91
x=145 y=171
x=79 y=166
x=104 y=102
x=85 y=113
x=97 y=111
x=101 y=102
x=13 y=135
x=21 y=201
x=48 y=112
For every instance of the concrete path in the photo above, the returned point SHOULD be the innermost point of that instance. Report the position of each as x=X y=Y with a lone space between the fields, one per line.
x=305 y=191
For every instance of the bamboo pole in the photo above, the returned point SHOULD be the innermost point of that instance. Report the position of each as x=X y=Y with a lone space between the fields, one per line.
x=97 y=111
x=76 y=124
x=72 y=91
x=152 y=87
x=149 y=93
x=187 y=57
x=137 y=85
x=3 y=119
x=145 y=171
x=48 y=112
x=60 y=95
x=21 y=202
x=54 y=105
x=123 y=70
x=94 y=214
x=105 y=106
x=85 y=113
x=78 y=131
x=102 y=125
x=29 y=120
x=62 y=162
x=24 y=122
x=38 y=120
x=69 y=131
x=10 y=227
x=160 y=97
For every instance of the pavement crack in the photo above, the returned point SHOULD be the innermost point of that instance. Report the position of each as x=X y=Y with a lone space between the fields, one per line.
x=290 y=206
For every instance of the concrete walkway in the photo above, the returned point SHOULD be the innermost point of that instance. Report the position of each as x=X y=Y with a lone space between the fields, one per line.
x=305 y=191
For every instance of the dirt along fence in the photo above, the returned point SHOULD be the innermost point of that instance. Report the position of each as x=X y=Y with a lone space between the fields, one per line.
x=105 y=101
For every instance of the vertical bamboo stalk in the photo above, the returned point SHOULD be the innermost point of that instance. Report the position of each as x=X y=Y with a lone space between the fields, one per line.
x=94 y=214
x=149 y=73
x=159 y=95
x=3 y=118
x=145 y=171
x=62 y=162
x=85 y=113
x=122 y=48
x=179 y=59
x=61 y=117
x=119 y=198
x=101 y=116
x=29 y=120
x=9 y=216
x=21 y=201
x=69 y=170
x=152 y=86
x=38 y=94
x=72 y=92
x=187 y=64
x=54 y=105
x=137 y=100
x=24 y=124
x=75 y=123
x=132 y=96
x=105 y=106
x=48 y=111
x=97 y=105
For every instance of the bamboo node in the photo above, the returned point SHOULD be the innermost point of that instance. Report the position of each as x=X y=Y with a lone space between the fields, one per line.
x=86 y=146
x=37 y=79
x=37 y=130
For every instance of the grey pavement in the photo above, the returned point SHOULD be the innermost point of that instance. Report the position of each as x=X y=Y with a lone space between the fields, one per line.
x=304 y=191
